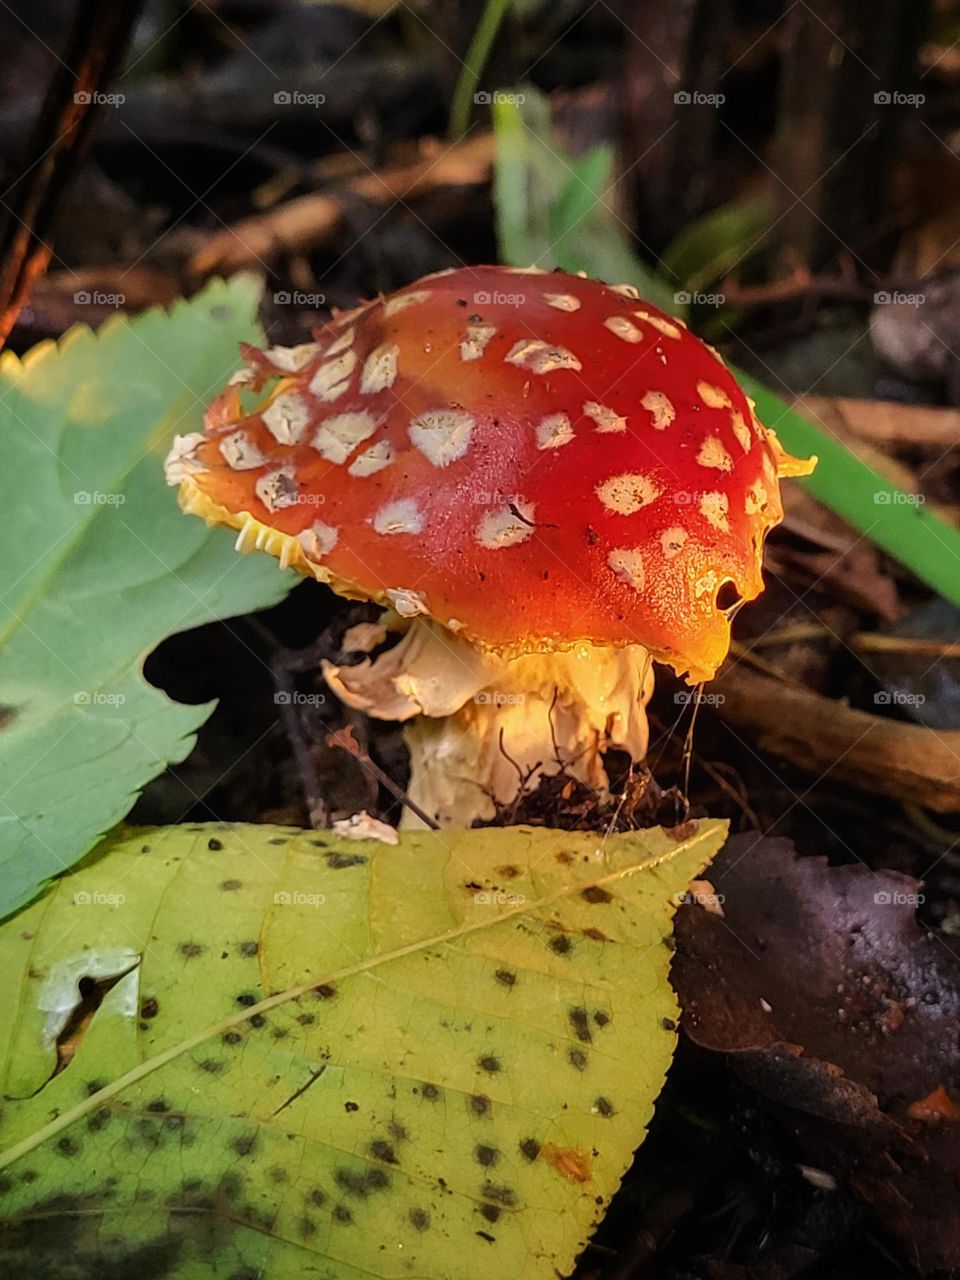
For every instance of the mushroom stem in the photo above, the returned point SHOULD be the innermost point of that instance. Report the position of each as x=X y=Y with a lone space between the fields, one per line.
x=483 y=726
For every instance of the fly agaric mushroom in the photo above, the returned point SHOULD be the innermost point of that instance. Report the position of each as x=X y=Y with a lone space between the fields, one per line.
x=546 y=481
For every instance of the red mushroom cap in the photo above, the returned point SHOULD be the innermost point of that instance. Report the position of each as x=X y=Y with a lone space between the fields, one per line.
x=531 y=459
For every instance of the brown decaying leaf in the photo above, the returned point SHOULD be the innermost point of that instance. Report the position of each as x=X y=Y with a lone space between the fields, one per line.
x=839 y=1008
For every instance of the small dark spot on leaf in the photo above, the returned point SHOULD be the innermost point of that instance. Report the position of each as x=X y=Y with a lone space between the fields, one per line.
x=99 y=1120
x=351 y=1106
x=530 y=1148
x=247 y=998
x=244 y=1145
x=596 y=894
x=229 y=886
x=232 y=1037
x=214 y=845
x=505 y=977
x=249 y=948
x=603 y=1107
x=561 y=945
x=486 y=1156
x=337 y=861
x=306 y=1227
x=173 y=1123
x=479 y=1104
x=577 y=1058
x=508 y=872
x=6 y=1183
x=212 y=1065
x=279 y=840
x=490 y=1212
x=489 y=1063
x=258 y=1021
x=485 y=1235
x=28 y=1175
x=278 y=1174
x=668 y=1024
x=149 y=1008
x=381 y=1150
x=564 y=857
x=191 y=950
x=316 y=1197
x=419 y=1219
x=68 y=1147
x=595 y=935
x=342 y=1214
x=601 y=1018
x=325 y=991
x=94 y=1086
x=579 y=1023
x=158 y=1104
x=430 y=1092
x=362 y=1183
x=501 y=1194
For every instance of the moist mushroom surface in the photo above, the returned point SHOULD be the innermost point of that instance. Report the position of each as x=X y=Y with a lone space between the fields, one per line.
x=539 y=469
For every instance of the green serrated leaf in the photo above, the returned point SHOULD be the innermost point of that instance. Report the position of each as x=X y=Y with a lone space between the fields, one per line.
x=99 y=565
x=330 y=1057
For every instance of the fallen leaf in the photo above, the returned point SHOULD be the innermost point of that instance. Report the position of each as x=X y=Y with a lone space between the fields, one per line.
x=335 y=1057
x=840 y=1009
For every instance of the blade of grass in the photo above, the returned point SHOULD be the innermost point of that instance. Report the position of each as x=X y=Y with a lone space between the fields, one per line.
x=473 y=64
